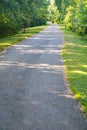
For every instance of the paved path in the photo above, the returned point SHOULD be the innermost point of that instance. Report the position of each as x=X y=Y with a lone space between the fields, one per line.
x=33 y=91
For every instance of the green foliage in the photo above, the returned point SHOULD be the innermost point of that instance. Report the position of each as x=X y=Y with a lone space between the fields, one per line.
x=12 y=13
x=62 y=5
x=73 y=14
x=70 y=20
x=53 y=13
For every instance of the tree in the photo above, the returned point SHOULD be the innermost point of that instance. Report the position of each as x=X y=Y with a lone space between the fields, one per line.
x=12 y=13
x=53 y=13
x=73 y=14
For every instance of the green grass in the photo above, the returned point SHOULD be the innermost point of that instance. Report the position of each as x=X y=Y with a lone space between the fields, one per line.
x=13 y=39
x=74 y=54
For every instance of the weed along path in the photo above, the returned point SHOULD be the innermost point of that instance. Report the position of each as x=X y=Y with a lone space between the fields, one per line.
x=33 y=92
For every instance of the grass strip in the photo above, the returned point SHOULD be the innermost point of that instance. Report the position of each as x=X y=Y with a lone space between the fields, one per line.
x=74 y=54
x=13 y=39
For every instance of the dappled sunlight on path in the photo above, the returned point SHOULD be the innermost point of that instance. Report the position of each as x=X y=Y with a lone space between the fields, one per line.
x=34 y=94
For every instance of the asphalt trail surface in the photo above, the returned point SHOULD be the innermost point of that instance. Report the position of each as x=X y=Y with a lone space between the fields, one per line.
x=34 y=94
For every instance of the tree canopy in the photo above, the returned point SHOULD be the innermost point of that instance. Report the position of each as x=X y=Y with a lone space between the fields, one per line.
x=35 y=12
x=53 y=13
x=13 y=12
x=73 y=14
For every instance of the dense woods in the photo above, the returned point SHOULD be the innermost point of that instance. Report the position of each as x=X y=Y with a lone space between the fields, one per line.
x=14 y=14
x=73 y=14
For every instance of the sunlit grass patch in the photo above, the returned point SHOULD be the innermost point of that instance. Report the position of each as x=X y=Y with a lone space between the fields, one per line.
x=74 y=54
x=10 y=40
